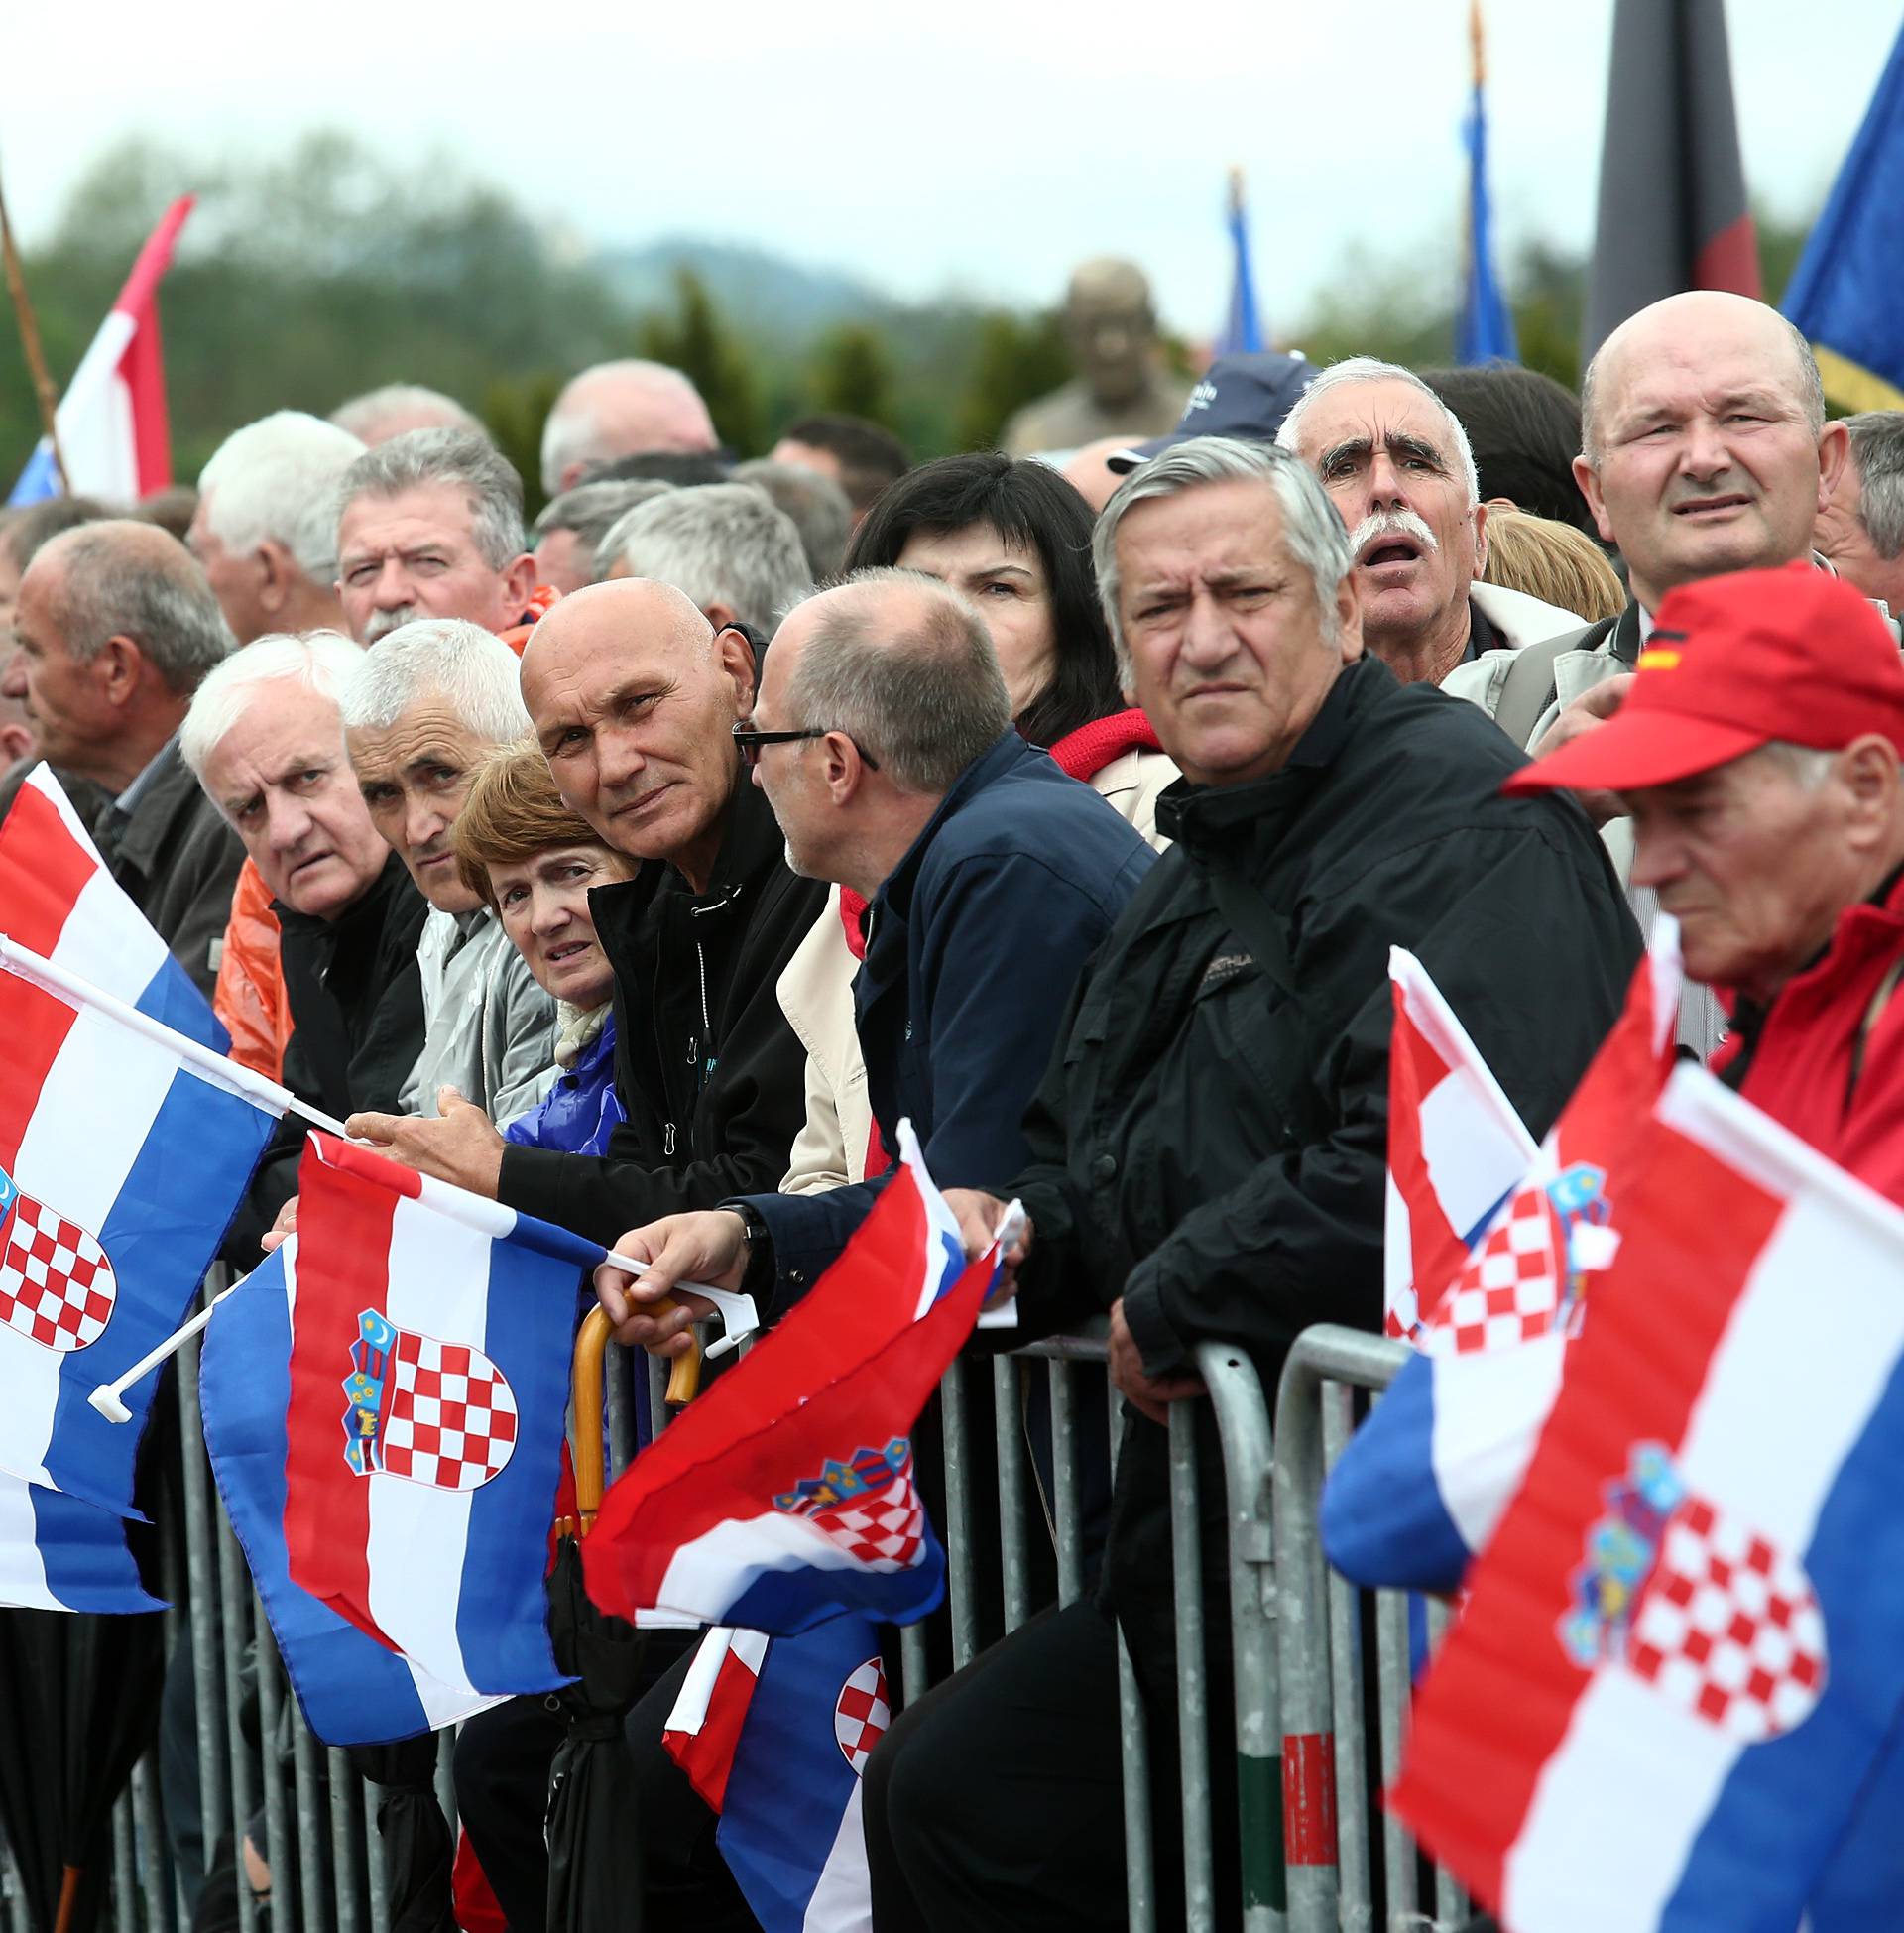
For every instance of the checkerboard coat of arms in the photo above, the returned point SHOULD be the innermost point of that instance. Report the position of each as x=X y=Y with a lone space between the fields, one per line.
x=57 y=1288
x=430 y=1411
x=867 y=1504
x=1697 y=1606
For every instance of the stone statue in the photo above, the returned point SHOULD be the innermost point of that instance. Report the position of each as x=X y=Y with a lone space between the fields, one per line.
x=1120 y=389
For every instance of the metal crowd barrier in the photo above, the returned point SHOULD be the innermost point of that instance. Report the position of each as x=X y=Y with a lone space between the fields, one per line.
x=1322 y=1654
x=1305 y=1826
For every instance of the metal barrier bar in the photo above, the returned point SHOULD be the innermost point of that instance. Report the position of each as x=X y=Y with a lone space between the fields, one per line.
x=234 y=1607
x=1139 y=1844
x=154 y=1879
x=1193 y=1688
x=343 y=1837
x=1349 y=1741
x=958 y=1517
x=125 y=1910
x=376 y=1869
x=310 y=1825
x=201 y=1574
x=1392 y=1680
x=1066 y=1501
x=1008 y=1428
x=270 y=1704
x=1243 y=1426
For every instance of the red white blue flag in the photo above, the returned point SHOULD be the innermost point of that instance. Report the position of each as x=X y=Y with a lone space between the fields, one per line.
x=113 y=433
x=774 y=1733
x=1681 y=1666
x=785 y=1494
x=1426 y=1478
x=430 y=1372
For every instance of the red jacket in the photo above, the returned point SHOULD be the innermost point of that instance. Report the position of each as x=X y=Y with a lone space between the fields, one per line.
x=1794 y=1059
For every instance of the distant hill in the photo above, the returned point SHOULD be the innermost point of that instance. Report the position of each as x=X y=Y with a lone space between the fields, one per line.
x=759 y=293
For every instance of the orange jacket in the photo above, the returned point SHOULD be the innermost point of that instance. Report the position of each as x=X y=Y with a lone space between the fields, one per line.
x=250 y=995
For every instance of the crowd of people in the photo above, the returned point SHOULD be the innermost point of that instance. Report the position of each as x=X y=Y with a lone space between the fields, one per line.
x=644 y=868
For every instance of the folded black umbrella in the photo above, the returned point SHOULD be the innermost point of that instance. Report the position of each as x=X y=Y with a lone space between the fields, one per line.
x=418 y=1851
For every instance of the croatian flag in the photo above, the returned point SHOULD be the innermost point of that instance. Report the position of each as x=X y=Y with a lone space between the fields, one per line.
x=784 y=1496
x=774 y=1733
x=124 y=1149
x=58 y=898
x=1456 y=1149
x=1681 y=1667
x=430 y=1372
x=59 y=1554
x=353 y=1690
x=113 y=433
x=1465 y=1413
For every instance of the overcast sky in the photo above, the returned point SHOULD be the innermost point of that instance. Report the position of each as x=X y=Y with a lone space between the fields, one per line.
x=980 y=146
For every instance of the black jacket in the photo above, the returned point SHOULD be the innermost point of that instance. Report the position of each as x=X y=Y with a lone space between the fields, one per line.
x=178 y=860
x=711 y=1074
x=357 y=1027
x=1211 y=1135
x=973 y=945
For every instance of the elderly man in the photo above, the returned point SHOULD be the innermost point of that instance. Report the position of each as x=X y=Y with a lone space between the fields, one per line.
x=266 y=739
x=633 y=697
x=622 y=409
x=1397 y=464
x=1757 y=753
x=817 y=507
x=115 y=627
x=399 y=408
x=1706 y=450
x=265 y=527
x=724 y=544
x=882 y=739
x=420 y=714
x=430 y=525
x=860 y=456
x=1207 y=1146
x=1859 y=531
x=570 y=529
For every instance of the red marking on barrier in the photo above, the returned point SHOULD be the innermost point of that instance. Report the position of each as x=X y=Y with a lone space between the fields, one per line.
x=1309 y=1799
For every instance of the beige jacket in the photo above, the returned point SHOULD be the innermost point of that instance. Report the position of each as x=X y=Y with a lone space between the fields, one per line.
x=816 y=996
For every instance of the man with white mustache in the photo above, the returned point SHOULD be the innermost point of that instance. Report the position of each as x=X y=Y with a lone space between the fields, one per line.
x=1397 y=464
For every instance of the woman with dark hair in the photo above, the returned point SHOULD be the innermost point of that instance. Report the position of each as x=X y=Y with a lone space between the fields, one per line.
x=1015 y=537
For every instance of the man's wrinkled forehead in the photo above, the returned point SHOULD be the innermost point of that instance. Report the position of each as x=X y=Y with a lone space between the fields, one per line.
x=1375 y=414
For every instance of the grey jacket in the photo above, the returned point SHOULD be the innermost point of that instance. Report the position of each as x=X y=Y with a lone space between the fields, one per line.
x=489 y=1031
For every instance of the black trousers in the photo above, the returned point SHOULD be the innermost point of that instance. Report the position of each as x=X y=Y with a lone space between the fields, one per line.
x=997 y=1801
x=502 y=1765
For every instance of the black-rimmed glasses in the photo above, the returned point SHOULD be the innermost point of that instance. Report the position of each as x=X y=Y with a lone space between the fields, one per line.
x=748 y=743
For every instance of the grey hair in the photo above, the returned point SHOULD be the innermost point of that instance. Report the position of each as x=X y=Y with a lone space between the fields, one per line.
x=921 y=694
x=464 y=458
x=1807 y=766
x=1877 y=449
x=1311 y=527
x=1367 y=369
x=470 y=669
x=592 y=509
x=1811 y=391
x=110 y=588
x=364 y=414
x=598 y=410
x=821 y=511
x=277 y=478
x=323 y=662
x=718 y=543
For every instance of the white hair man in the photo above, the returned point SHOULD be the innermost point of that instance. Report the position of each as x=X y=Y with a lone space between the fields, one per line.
x=1861 y=529
x=399 y=408
x=621 y=409
x=1395 y=462
x=115 y=627
x=430 y=525
x=820 y=511
x=1207 y=1151
x=265 y=527
x=724 y=544
x=421 y=713
x=568 y=534
x=266 y=739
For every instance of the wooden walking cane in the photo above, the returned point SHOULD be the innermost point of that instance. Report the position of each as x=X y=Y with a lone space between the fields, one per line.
x=585 y=1451
x=42 y=389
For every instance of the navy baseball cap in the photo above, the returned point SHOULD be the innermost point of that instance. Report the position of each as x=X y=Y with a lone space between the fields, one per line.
x=1245 y=397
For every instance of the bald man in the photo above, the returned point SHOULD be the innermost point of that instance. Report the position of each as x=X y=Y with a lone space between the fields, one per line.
x=115 y=627
x=621 y=409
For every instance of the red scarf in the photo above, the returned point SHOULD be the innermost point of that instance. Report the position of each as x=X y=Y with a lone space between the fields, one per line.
x=1082 y=754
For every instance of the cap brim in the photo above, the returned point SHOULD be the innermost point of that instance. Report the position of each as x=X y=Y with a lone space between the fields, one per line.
x=1121 y=462
x=1633 y=749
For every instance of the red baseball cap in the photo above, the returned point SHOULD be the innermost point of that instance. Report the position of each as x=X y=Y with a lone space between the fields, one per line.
x=1733 y=663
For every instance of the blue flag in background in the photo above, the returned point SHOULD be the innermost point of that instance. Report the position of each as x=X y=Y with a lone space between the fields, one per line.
x=1243 y=327
x=1486 y=331
x=1847 y=292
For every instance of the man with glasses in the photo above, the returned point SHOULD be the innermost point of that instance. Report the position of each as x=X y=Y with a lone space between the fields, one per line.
x=883 y=740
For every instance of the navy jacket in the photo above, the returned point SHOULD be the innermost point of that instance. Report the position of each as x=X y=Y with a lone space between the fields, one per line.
x=973 y=945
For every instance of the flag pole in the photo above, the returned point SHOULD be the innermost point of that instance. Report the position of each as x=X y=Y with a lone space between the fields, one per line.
x=42 y=389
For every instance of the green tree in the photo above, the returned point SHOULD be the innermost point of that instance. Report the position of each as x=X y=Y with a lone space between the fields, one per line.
x=852 y=372
x=1018 y=358
x=696 y=340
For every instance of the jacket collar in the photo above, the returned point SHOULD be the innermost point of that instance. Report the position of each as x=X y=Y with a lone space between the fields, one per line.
x=1200 y=817
x=143 y=814
x=1008 y=755
x=752 y=846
